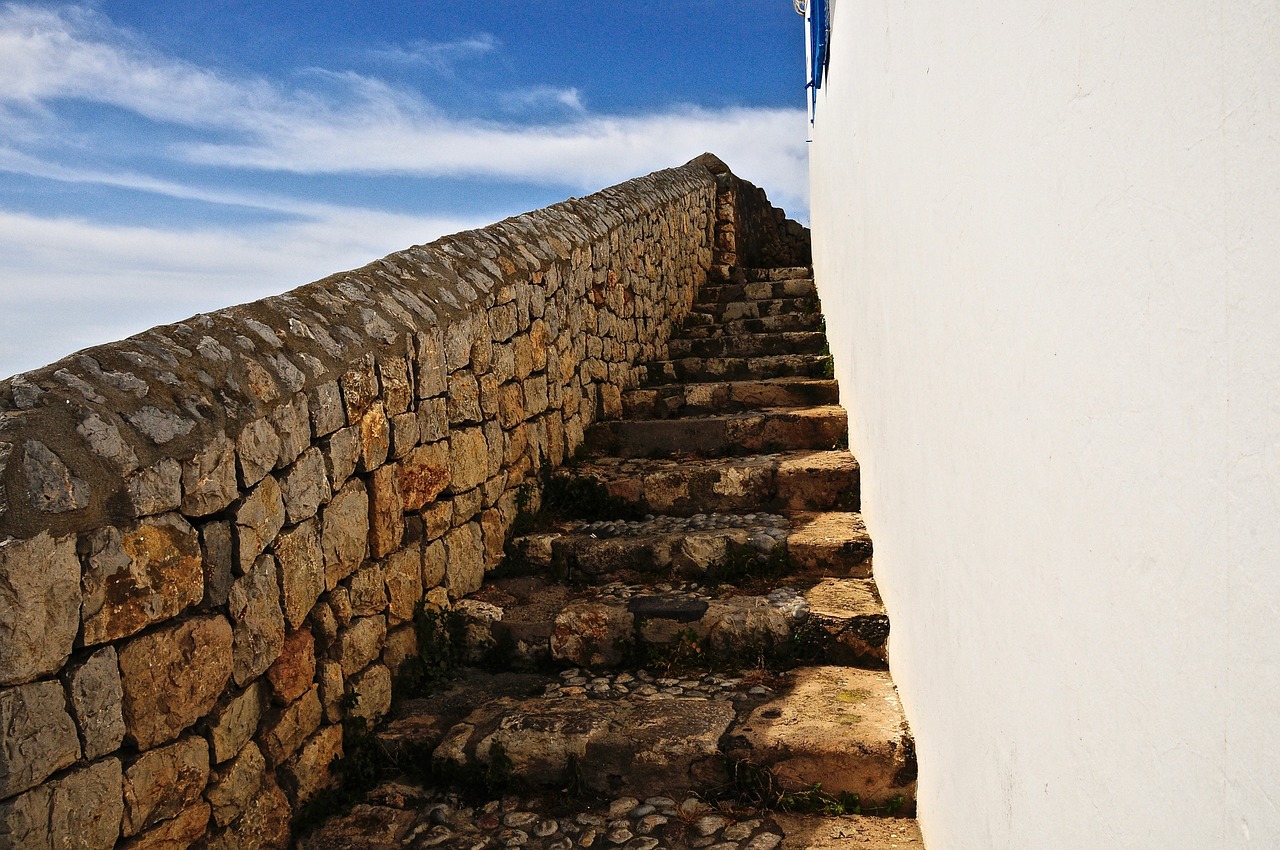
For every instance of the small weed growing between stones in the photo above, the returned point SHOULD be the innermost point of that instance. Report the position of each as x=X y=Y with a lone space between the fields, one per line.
x=567 y=496
x=440 y=640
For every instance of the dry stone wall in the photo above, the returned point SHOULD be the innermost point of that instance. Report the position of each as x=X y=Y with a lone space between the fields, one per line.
x=214 y=535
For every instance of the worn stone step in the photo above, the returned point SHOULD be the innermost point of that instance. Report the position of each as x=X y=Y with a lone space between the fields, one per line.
x=749 y=345
x=665 y=402
x=803 y=480
x=756 y=290
x=533 y=621
x=841 y=728
x=703 y=547
x=728 y=311
x=777 y=273
x=704 y=369
x=698 y=325
x=761 y=430
x=847 y=832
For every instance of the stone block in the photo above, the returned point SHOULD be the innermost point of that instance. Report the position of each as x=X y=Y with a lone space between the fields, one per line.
x=305 y=486
x=332 y=690
x=433 y=420
x=495 y=441
x=489 y=395
x=302 y=571
x=404 y=434
x=431 y=363
x=403 y=575
x=257 y=621
x=535 y=395
x=386 y=511
x=464 y=560
x=424 y=474
x=80 y=810
x=258 y=519
x=233 y=724
x=359 y=389
x=104 y=439
x=397 y=395
x=209 y=479
x=257 y=450
x=39 y=606
x=164 y=782
x=172 y=677
x=309 y=772
x=371 y=690
x=344 y=536
x=156 y=489
x=466 y=506
x=233 y=787
x=293 y=673
x=463 y=399
x=375 y=438
x=401 y=645
x=177 y=833
x=494 y=534
x=511 y=409
x=468 y=459
x=367 y=592
x=51 y=487
x=327 y=412
x=218 y=548
x=437 y=518
x=284 y=729
x=360 y=643
x=93 y=688
x=292 y=422
x=37 y=736
x=433 y=564
x=263 y=826
x=341 y=454
x=139 y=576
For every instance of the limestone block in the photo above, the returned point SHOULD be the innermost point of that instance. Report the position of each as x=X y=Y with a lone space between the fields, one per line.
x=309 y=771
x=263 y=826
x=468 y=459
x=258 y=519
x=233 y=787
x=433 y=564
x=257 y=450
x=156 y=489
x=431 y=365
x=209 y=479
x=293 y=673
x=464 y=560
x=258 y=622
x=463 y=399
x=494 y=533
x=375 y=438
x=327 y=412
x=397 y=395
x=218 y=548
x=39 y=606
x=360 y=643
x=591 y=634
x=433 y=420
x=292 y=422
x=535 y=395
x=172 y=677
x=104 y=439
x=341 y=454
x=305 y=486
x=386 y=511
x=424 y=474
x=51 y=486
x=81 y=810
x=284 y=729
x=302 y=571
x=164 y=782
x=37 y=736
x=511 y=410
x=466 y=506
x=359 y=389
x=401 y=645
x=367 y=593
x=344 y=536
x=177 y=833
x=93 y=687
x=494 y=440
x=404 y=434
x=489 y=395
x=372 y=691
x=143 y=575
x=437 y=518
x=233 y=724
x=403 y=576
x=332 y=690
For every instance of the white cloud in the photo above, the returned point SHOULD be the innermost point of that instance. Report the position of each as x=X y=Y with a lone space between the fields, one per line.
x=440 y=56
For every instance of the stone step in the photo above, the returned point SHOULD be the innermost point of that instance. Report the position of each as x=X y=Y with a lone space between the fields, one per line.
x=711 y=547
x=749 y=345
x=803 y=480
x=840 y=728
x=532 y=621
x=704 y=369
x=847 y=832
x=670 y=400
x=728 y=311
x=777 y=273
x=756 y=290
x=761 y=430
x=698 y=325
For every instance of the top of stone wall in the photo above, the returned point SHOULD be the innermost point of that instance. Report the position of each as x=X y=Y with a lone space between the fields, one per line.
x=90 y=439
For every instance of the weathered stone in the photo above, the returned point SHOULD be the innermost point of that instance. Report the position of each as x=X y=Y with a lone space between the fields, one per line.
x=464 y=560
x=172 y=677
x=254 y=608
x=403 y=574
x=39 y=606
x=332 y=690
x=535 y=395
x=494 y=532
x=79 y=811
x=6 y=452
x=366 y=593
x=218 y=547
x=401 y=645
x=360 y=643
x=258 y=520
x=468 y=459
x=404 y=434
x=327 y=413
x=511 y=411
x=433 y=420
x=359 y=389
x=164 y=782
x=375 y=438
x=51 y=487
x=141 y=576
x=344 y=537
x=292 y=422
x=232 y=725
x=495 y=440
x=93 y=686
x=463 y=399
x=301 y=570
x=396 y=392
x=424 y=474
x=437 y=518
x=37 y=736
x=263 y=826
x=231 y=788
x=592 y=634
x=310 y=771
x=209 y=480
x=341 y=454
x=371 y=689
x=160 y=426
x=293 y=672
x=177 y=833
x=431 y=364
x=156 y=489
x=305 y=486
x=257 y=449
x=466 y=506
x=104 y=439
x=386 y=512
x=284 y=729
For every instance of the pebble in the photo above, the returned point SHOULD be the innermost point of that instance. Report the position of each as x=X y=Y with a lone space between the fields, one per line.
x=622 y=806
x=513 y=837
x=619 y=836
x=649 y=823
x=764 y=841
x=588 y=837
x=546 y=828
x=643 y=843
x=642 y=810
x=739 y=831
x=519 y=820
x=710 y=824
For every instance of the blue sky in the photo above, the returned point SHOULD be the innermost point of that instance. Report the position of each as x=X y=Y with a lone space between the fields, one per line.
x=159 y=160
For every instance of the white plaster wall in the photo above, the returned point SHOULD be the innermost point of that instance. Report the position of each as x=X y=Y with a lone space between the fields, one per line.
x=1047 y=238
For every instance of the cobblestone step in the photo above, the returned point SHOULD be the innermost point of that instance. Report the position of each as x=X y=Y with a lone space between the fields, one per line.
x=778 y=273
x=698 y=325
x=728 y=311
x=848 y=832
x=749 y=345
x=757 y=290
x=762 y=430
x=665 y=402
x=802 y=480
x=704 y=369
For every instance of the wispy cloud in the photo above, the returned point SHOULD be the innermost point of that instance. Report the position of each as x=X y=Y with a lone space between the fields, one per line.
x=439 y=56
x=543 y=97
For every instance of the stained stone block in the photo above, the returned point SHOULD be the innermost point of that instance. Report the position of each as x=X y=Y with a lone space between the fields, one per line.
x=39 y=606
x=51 y=486
x=181 y=831
x=305 y=486
x=258 y=520
x=403 y=576
x=463 y=399
x=359 y=390
x=82 y=809
x=156 y=489
x=137 y=577
x=37 y=736
x=327 y=413
x=104 y=439
x=294 y=671
x=263 y=826
x=494 y=440
x=535 y=395
x=219 y=551
x=464 y=560
x=386 y=516
x=468 y=459
x=258 y=633
x=284 y=729
x=424 y=474
x=258 y=449
x=301 y=561
x=93 y=687
x=310 y=770
x=375 y=437
x=292 y=422
x=232 y=725
x=344 y=536
x=437 y=518
x=397 y=394
x=341 y=454
x=172 y=677
x=511 y=410
x=209 y=480
x=164 y=782
x=360 y=643
x=232 y=788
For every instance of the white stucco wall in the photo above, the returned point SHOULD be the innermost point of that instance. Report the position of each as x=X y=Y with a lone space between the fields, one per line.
x=1047 y=238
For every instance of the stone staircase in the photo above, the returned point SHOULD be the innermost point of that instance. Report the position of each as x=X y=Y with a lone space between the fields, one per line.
x=684 y=646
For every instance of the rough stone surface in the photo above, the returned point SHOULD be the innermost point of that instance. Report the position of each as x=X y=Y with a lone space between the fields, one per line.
x=360 y=643
x=367 y=592
x=176 y=834
x=51 y=487
x=37 y=736
x=403 y=576
x=93 y=687
x=263 y=826
x=257 y=621
x=79 y=811
x=172 y=677
x=258 y=520
x=257 y=449
x=209 y=480
x=591 y=634
x=344 y=536
x=164 y=782
x=305 y=486
x=284 y=729
x=104 y=439
x=468 y=459
x=236 y=721
x=371 y=689
x=292 y=673
x=302 y=573
x=218 y=546
x=39 y=606
x=309 y=771
x=232 y=788
x=464 y=560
